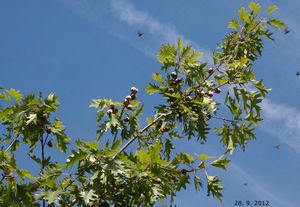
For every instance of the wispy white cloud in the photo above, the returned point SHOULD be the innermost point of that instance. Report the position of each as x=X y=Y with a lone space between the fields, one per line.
x=163 y=32
x=127 y=13
x=283 y=122
x=122 y=19
x=257 y=188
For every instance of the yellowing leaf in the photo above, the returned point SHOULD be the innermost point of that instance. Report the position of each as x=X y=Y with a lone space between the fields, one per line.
x=243 y=61
x=243 y=15
x=233 y=24
x=158 y=77
x=4 y=97
x=15 y=94
x=277 y=23
x=271 y=9
x=203 y=157
x=152 y=88
x=180 y=45
x=255 y=7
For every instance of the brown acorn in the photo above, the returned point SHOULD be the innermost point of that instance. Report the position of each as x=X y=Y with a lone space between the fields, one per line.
x=200 y=93
x=49 y=143
x=134 y=90
x=127 y=119
x=189 y=98
x=128 y=98
x=208 y=116
x=109 y=112
x=48 y=130
x=210 y=70
x=125 y=102
x=174 y=178
x=129 y=107
x=210 y=93
x=115 y=110
x=184 y=171
x=218 y=90
x=158 y=180
x=178 y=80
x=111 y=105
x=174 y=75
x=45 y=115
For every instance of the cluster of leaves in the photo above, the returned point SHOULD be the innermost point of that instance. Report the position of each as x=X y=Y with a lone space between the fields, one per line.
x=26 y=120
x=103 y=172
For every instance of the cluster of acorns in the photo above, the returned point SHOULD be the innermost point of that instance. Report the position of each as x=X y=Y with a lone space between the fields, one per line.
x=175 y=81
x=209 y=93
x=113 y=110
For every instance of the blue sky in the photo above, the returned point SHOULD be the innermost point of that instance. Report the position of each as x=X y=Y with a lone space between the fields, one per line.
x=85 y=49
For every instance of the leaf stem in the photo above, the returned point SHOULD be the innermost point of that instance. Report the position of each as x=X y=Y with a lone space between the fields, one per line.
x=11 y=143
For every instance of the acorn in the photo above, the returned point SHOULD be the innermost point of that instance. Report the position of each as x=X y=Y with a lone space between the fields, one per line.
x=189 y=98
x=45 y=115
x=109 y=112
x=210 y=70
x=125 y=102
x=208 y=116
x=128 y=98
x=210 y=93
x=115 y=110
x=174 y=75
x=129 y=107
x=134 y=90
x=184 y=171
x=218 y=90
x=178 y=80
x=48 y=130
x=174 y=178
x=145 y=176
x=112 y=106
x=127 y=119
x=158 y=181
x=200 y=93
x=49 y=143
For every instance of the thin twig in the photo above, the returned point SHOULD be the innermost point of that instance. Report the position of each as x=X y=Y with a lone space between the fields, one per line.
x=11 y=143
x=3 y=177
x=45 y=141
x=224 y=119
